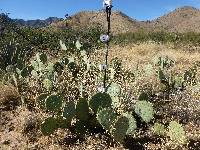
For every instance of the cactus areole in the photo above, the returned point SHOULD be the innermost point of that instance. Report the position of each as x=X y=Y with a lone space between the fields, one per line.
x=107 y=4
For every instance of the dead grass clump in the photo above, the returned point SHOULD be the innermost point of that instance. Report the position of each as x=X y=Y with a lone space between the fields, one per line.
x=9 y=96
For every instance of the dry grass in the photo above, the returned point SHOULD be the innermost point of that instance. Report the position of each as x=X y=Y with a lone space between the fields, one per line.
x=144 y=53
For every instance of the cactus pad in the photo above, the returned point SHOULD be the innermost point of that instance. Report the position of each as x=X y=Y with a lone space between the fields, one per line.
x=159 y=129
x=145 y=110
x=54 y=103
x=120 y=129
x=132 y=124
x=100 y=100
x=69 y=111
x=49 y=126
x=107 y=118
x=114 y=89
x=176 y=133
x=82 y=109
x=40 y=100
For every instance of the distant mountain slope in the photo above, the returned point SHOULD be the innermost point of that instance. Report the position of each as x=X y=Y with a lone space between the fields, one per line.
x=185 y=19
x=37 y=23
x=120 y=22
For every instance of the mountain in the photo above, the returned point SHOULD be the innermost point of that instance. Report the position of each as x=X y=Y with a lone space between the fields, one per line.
x=120 y=22
x=37 y=23
x=184 y=19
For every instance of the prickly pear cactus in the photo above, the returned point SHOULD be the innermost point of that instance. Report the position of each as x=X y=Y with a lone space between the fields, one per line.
x=159 y=129
x=43 y=58
x=114 y=89
x=54 y=103
x=176 y=133
x=107 y=118
x=145 y=110
x=100 y=100
x=69 y=111
x=82 y=110
x=120 y=128
x=143 y=97
x=132 y=124
x=41 y=100
x=49 y=126
x=47 y=84
x=26 y=71
x=116 y=103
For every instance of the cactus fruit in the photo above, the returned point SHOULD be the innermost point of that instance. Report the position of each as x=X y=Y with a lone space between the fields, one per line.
x=114 y=89
x=176 y=133
x=159 y=129
x=82 y=110
x=120 y=129
x=132 y=123
x=145 y=110
x=100 y=100
x=49 y=126
x=41 y=100
x=47 y=84
x=107 y=118
x=54 y=103
x=69 y=111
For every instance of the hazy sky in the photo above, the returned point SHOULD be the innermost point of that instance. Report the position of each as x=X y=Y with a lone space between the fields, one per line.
x=137 y=9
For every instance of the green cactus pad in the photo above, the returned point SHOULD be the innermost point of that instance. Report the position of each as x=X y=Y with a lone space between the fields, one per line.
x=26 y=71
x=132 y=124
x=81 y=128
x=49 y=126
x=120 y=129
x=54 y=103
x=100 y=100
x=114 y=89
x=143 y=97
x=72 y=66
x=176 y=133
x=116 y=103
x=43 y=58
x=69 y=111
x=159 y=129
x=82 y=109
x=47 y=84
x=41 y=100
x=107 y=118
x=145 y=110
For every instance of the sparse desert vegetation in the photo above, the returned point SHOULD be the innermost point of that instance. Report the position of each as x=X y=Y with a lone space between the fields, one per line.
x=50 y=80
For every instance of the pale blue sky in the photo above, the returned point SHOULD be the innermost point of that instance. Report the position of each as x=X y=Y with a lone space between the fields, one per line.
x=41 y=9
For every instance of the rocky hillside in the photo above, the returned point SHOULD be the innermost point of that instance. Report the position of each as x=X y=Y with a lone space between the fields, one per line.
x=180 y=20
x=37 y=23
x=119 y=21
x=184 y=19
